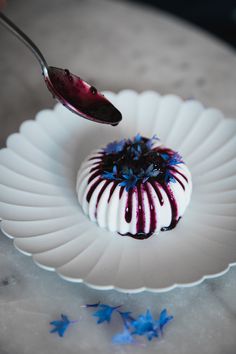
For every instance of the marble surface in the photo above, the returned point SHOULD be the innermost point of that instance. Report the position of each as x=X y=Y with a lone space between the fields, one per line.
x=149 y=51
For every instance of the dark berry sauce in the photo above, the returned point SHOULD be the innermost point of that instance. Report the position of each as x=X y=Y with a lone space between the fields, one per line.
x=129 y=207
x=153 y=218
x=80 y=97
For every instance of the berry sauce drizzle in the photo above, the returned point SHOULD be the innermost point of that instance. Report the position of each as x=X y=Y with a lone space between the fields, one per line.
x=80 y=97
x=174 y=207
x=153 y=188
x=129 y=207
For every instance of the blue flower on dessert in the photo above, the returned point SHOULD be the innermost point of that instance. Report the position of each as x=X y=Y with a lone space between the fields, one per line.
x=176 y=159
x=165 y=156
x=124 y=337
x=115 y=147
x=130 y=180
x=145 y=325
x=135 y=151
x=104 y=313
x=134 y=147
x=60 y=326
x=151 y=171
x=111 y=175
x=138 y=138
x=169 y=177
x=173 y=160
x=151 y=141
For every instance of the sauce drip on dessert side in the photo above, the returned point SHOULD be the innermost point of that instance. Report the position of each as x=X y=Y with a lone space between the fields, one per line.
x=80 y=97
x=155 y=186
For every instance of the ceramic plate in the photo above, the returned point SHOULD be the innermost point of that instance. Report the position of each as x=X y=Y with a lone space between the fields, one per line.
x=39 y=208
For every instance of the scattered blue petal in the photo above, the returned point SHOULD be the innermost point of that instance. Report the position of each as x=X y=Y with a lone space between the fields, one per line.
x=164 y=319
x=60 y=326
x=145 y=325
x=124 y=337
x=104 y=313
x=115 y=147
x=126 y=318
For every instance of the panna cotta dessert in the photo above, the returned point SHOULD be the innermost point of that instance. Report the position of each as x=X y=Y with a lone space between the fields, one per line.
x=135 y=187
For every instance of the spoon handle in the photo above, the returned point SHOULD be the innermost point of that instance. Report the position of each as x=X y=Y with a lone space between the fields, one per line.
x=24 y=38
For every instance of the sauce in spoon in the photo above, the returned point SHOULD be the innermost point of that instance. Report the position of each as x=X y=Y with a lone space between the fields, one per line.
x=80 y=97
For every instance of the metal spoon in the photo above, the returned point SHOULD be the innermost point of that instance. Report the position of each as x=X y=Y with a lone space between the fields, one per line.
x=69 y=89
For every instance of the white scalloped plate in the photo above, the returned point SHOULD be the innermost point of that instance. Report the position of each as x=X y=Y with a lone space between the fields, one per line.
x=39 y=208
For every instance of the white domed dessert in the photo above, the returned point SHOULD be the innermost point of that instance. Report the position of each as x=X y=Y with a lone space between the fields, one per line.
x=134 y=187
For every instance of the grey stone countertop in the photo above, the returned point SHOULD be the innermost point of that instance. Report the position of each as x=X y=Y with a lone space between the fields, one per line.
x=113 y=45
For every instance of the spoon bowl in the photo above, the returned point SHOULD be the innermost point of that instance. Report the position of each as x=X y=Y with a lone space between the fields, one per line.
x=79 y=97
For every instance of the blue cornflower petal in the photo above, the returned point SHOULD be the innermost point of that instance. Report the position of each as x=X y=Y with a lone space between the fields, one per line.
x=136 y=151
x=139 y=149
x=114 y=170
x=122 y=184
x=150 y=168
x=130 y=179
x=126 y=318
x=164 y=319
x=108 y=175
x=115 y=147
x=124 y=337
x=165 y=156
x=145 y=325
x=111 y=175
x=150 y=142
x=153 y=333
x=130 y=185
x=175 y=160
x=145 y=179
x=104 y=313
x=129 y=182
x=149 y=172
x=169 y=177
x=137 y=138
x=60 y=326
x=125 y=176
